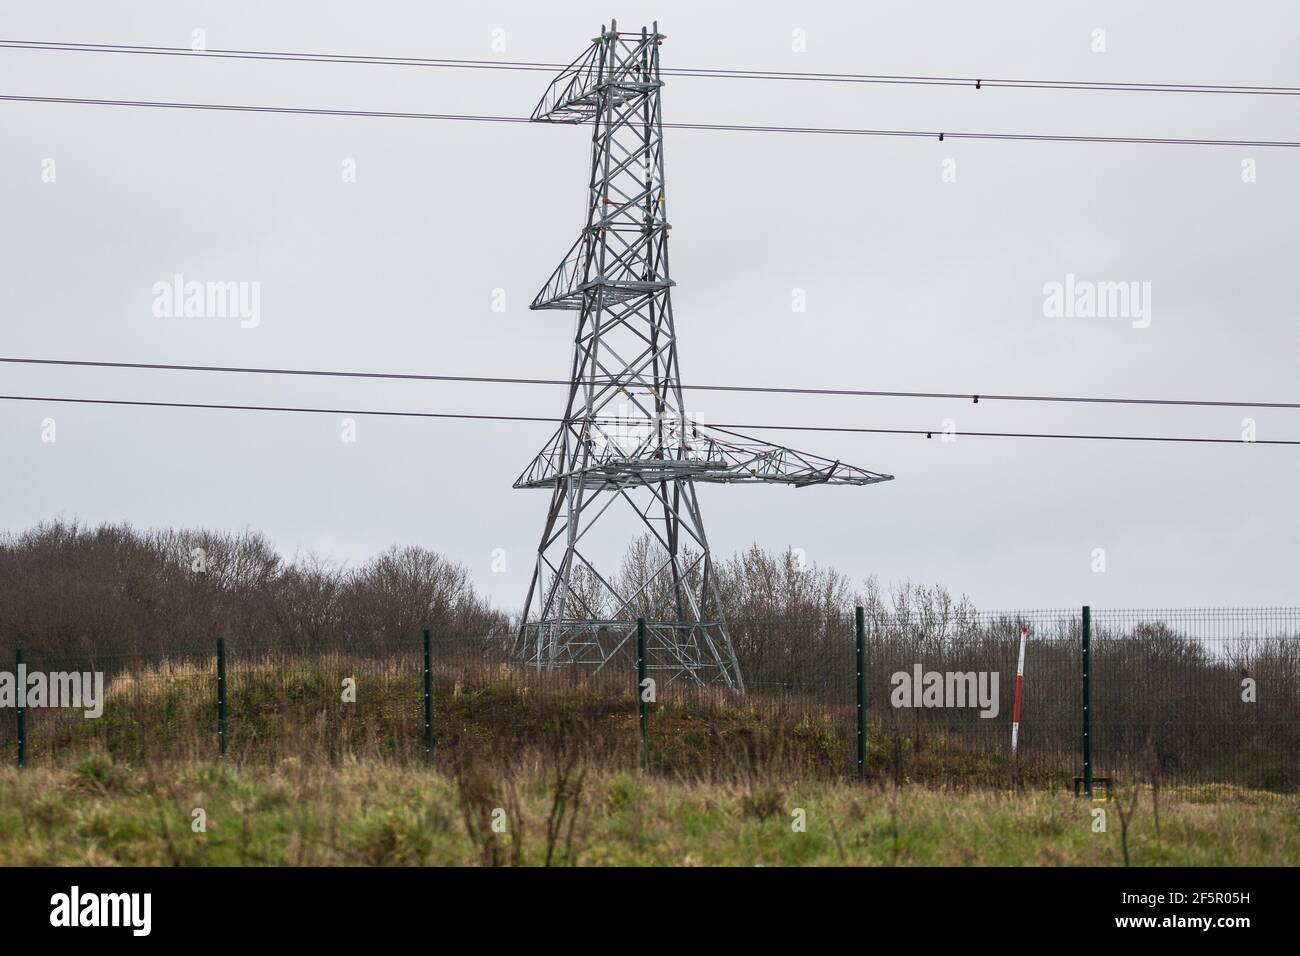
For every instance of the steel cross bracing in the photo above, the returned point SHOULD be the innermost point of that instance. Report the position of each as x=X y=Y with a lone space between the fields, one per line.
x=625 y=437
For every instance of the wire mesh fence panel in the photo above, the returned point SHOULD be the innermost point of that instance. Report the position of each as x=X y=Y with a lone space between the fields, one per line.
x=792 y=712
x=1198 y=696
x=491 y=704
x=131 y=707
x=942 y=688
x=352 y=699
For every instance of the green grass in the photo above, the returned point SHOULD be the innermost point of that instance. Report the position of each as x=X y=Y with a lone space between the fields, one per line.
x=99 y=812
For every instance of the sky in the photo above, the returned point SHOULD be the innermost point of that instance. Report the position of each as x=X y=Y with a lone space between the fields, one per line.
x=384 y=244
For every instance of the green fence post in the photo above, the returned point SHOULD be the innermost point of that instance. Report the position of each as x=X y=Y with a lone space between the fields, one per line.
x=1087 y=700
x=221 y=696
x=643 y=709
x=428 y=698
x=860 y=639
x=22 y=714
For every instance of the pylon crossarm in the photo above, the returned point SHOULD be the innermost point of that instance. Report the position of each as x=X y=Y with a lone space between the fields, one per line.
x=611 y=68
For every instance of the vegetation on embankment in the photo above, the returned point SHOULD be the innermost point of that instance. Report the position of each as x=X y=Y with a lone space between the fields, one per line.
x=286 y=706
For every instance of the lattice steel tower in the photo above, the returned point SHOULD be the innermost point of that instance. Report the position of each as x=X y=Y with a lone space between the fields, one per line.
x=625 y=438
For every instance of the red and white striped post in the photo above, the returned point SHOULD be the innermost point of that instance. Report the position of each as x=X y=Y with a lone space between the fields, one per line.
x=1020 y=683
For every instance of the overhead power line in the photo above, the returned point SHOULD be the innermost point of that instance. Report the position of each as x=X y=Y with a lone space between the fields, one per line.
x=975 y=397
x=732 y=428
x=725 y=127
x=770 y=75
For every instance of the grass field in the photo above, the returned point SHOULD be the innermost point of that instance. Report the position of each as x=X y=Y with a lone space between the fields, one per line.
x=539 y=769
x=373 y=813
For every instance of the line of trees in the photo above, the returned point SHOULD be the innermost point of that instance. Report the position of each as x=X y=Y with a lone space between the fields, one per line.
x=66 y=589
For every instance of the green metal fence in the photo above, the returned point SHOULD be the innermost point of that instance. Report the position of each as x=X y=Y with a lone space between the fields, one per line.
x=1177 y=696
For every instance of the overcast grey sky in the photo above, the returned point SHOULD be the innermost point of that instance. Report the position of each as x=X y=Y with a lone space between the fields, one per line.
x=911 y=282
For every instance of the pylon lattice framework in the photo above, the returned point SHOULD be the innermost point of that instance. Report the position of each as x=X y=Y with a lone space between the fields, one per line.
x=645 y=452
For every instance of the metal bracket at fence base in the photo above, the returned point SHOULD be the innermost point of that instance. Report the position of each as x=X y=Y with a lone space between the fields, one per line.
x=1103 y=781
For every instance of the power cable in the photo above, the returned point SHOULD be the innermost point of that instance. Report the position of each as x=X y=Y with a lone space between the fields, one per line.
x=721 y=426
x=975 y=397
x=719 y=73
x=941 y=135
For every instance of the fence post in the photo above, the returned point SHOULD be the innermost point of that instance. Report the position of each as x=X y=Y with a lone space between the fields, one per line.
x=643 y=709
x=221 y=696
x=428 y=698
x=22 y=715
x=860 y=639
x=1087 y=700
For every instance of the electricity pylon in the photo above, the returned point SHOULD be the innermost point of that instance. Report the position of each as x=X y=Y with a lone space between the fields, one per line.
x=625 y=438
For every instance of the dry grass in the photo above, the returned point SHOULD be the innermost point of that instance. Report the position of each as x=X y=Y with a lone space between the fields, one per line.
x=375 y=813
x=282 y=706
